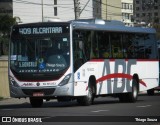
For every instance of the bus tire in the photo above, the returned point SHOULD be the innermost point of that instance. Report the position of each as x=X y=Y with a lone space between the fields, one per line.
x=87 y=100
x=131 y=96
x=150 y=92
x=36 y=102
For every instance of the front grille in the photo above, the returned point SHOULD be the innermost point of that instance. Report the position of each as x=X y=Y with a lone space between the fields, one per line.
x=38 y=76
x=30 y=92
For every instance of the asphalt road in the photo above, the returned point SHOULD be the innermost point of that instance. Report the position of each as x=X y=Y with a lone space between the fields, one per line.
x=105 y=110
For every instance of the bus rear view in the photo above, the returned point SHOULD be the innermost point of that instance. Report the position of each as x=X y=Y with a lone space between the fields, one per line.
x=40 y=61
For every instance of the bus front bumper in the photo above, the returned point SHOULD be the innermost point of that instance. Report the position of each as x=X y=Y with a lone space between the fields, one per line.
x=23 y=92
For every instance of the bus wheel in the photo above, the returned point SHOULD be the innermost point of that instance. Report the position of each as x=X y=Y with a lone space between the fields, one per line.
x=87 y=100
x=150 y=92
x=131 y=96
x=36 y=102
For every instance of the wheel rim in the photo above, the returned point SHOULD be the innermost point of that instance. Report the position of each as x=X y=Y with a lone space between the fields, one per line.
x=135 y=92
x=89 y=94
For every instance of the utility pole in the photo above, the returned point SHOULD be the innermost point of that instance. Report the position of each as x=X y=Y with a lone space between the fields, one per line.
x=80 y=11
x=76 y=9
x=106 y=9
x=42 y=9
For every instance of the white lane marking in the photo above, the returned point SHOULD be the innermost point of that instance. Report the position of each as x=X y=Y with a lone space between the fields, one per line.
x=100 y=111
x=144 y=106
x=7 y=109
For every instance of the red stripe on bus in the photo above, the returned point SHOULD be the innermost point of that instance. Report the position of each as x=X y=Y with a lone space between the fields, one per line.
x=118 y=75
x=115 y=75
x=112 y=60
x=150 y=60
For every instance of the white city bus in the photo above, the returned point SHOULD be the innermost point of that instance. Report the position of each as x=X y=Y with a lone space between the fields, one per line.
x=82 y=60
x=152 y=91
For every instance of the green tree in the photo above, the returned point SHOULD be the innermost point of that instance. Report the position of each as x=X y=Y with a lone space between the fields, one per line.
x=6 y=21
x=157 y=27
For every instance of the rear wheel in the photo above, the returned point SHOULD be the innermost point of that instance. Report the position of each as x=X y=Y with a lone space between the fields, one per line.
x=36 y=102
x=131 y=96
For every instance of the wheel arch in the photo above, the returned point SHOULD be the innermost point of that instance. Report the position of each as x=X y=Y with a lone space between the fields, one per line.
x=92 y=82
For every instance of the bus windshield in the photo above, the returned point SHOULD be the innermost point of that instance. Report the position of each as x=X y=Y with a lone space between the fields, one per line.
x=44 y=54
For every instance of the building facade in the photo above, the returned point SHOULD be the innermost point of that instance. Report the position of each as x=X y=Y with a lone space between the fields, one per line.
x=111 y=10
x=147 y=12
x=97 y=7
x=42 y=10
x=127 y=12
x=6 y=7
x=121 y=10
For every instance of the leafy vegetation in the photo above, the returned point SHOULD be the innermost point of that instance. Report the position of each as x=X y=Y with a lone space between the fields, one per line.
x=6 y=21
x=157 y=27
x=1 y=98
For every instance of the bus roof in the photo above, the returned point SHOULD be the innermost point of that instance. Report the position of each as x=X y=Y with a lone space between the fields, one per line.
x=39 y=24
x=95 y=24
x=115 y=26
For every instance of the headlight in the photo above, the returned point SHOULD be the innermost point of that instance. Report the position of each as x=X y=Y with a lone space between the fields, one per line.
x=65 y=80
x=13 y=82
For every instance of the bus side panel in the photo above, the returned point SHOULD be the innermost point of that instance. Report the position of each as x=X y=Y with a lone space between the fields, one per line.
x=148 y=74
x=81 y=77
x=115 y=75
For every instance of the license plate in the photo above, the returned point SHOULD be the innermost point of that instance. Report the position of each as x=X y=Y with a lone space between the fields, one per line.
x=38 y=94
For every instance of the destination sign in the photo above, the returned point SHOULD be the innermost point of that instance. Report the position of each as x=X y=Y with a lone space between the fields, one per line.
x=40 y=30
x=27 y=64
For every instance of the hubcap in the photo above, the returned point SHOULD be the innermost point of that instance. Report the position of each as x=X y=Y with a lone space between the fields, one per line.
x=89 y=93
x=134 y=92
